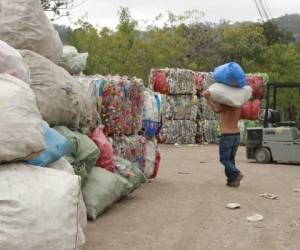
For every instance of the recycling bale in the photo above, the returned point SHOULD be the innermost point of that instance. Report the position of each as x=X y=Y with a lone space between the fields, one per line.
x=178 y=131
x=173 y=81
x=131 y=148
x=122 y=105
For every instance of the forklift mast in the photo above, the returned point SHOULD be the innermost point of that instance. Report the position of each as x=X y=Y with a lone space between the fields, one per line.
x=274 y=86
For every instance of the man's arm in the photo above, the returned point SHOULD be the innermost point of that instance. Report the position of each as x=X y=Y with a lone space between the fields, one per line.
x=216 y=107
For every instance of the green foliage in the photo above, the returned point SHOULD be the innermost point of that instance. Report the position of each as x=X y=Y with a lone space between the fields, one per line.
x=244 y=42
x=184 y=41
x=275 y=34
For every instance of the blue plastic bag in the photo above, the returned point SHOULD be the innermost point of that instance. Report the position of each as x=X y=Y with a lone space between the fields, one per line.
x=230 y=74
x=57 y=147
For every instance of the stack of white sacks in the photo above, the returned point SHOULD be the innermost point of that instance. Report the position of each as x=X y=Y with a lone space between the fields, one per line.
x=40 y=208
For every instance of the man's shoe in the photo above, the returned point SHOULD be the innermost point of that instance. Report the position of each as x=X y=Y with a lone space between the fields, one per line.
x=239 y=177
x=236 y=182
x=233 y=183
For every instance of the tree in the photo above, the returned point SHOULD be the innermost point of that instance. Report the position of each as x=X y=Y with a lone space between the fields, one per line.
x=244 y=42
x=274 y=34
x=282 y=63
x=59 y=8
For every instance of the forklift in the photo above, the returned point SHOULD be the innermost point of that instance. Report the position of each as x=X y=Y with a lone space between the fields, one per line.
x=277 y=140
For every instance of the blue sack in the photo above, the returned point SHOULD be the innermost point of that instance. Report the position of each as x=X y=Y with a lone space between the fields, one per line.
x=230 y=74
x=57 y=147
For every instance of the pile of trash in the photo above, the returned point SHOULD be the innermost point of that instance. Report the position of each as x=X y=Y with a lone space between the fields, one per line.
x=56 y=161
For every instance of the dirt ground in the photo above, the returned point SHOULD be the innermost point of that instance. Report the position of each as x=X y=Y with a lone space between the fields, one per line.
x=184 y=208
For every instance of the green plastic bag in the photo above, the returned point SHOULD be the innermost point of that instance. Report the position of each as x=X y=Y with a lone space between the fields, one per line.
x=101 y=191
x=130 y=172
x=84 y=152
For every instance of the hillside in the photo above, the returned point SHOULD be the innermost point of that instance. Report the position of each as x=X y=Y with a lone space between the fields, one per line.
x=290 y=23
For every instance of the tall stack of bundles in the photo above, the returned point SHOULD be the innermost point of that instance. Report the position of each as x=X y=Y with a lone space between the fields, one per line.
x=130 y=114
x=207 y=121
x=178 y=112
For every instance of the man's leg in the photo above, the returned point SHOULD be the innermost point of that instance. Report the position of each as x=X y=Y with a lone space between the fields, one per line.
x=235 y=145
x=226 y=150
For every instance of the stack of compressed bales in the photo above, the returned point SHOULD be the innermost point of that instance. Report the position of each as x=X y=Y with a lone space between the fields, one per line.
x=178 y=113
x=207 y=121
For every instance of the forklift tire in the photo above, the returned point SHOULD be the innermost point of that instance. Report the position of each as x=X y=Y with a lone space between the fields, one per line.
x=263 y=155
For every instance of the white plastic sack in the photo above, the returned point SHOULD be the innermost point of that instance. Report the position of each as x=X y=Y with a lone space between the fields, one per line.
x=230 y=96
x=38 y=208
x=11 y=62
x=21 y=133
x=150 y=110
x=64 y=165
x=73 y=61
x=24 y=25
x=59 y=96
x=151 y=147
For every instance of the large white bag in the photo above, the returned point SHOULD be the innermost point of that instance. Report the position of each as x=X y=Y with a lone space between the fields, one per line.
x=24 y=25
x=73 y=61
x=59 y=96
x=64 y=165
x=11 y=62
x=38 y=208
x=230 y=96
x=21 y=133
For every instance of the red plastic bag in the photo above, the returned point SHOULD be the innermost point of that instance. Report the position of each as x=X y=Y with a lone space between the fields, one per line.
x=250 y=110
x=106 y=159
x=257 y=85
x=199 y=78
x=159 y=81
x=156 y=165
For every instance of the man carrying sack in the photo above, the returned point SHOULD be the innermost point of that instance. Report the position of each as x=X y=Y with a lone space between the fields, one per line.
x=226 y=98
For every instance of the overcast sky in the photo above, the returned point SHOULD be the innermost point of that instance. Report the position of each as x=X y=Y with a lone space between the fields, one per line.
x=104 y=12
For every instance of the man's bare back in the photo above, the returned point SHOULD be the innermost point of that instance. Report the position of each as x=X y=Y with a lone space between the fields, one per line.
x=229 y=119
x=229 y=115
